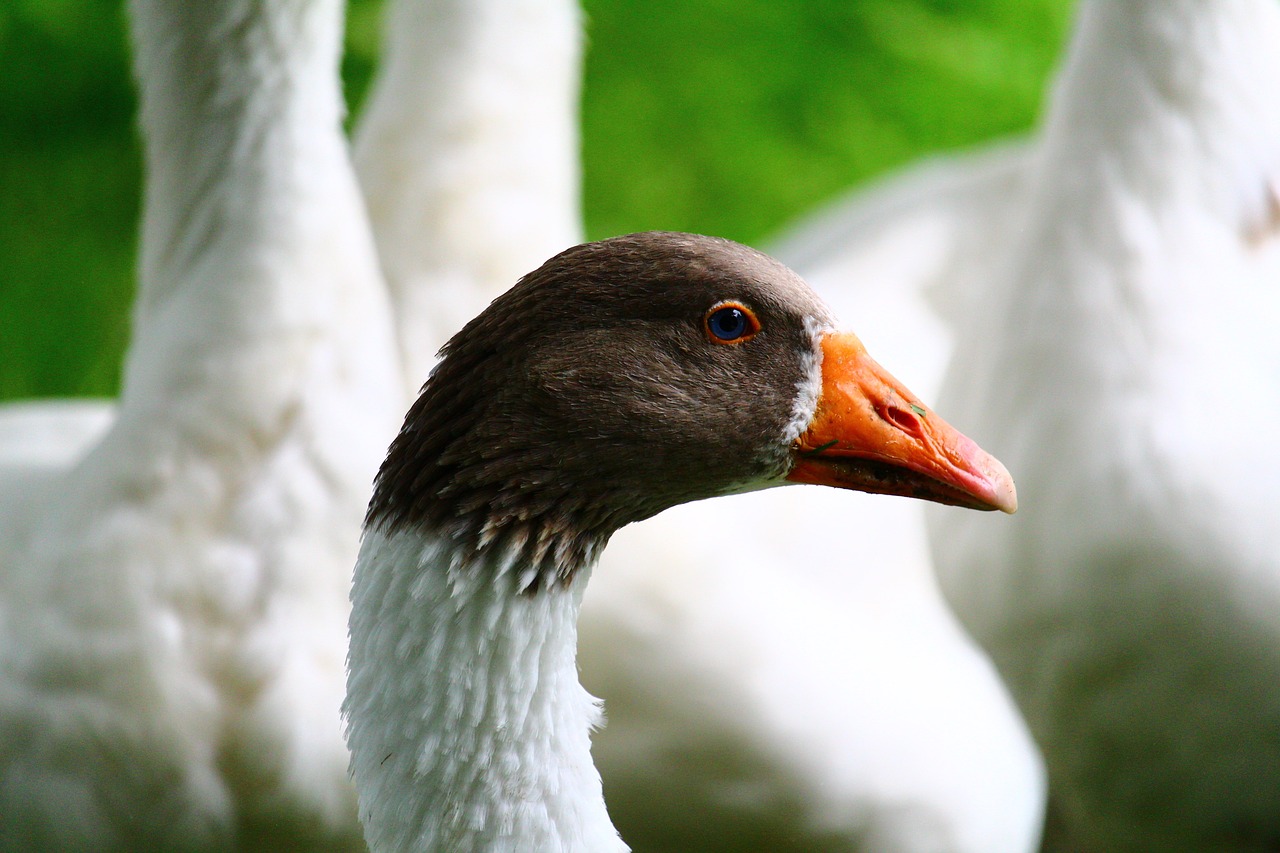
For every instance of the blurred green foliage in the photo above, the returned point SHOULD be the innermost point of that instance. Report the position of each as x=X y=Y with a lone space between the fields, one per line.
x=728 y=117
x=69 y=186
x=732 y=117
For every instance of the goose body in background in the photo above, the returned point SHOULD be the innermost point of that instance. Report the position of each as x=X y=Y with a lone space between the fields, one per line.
x=643 y=371
x=467 y=155
x=171 y=620
x=1124 y=361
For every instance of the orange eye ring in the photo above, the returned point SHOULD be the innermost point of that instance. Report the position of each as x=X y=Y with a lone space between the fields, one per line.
x=730 y=323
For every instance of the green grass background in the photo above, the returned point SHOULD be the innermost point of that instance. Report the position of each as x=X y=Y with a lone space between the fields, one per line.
x=727 y=117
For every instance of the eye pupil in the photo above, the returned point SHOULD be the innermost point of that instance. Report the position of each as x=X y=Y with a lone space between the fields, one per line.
x=728 y=323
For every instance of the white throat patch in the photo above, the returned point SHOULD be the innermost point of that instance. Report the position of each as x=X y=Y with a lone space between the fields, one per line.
x=809 y=389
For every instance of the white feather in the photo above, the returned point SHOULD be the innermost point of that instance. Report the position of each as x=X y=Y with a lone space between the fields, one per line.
x=464 y=692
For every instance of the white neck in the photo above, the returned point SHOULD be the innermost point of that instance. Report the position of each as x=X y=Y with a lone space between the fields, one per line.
x=255 y=246
x=1151 y=85
x=468 y=156
x=468 y=728
x=1154 y=192
x=1160 y=148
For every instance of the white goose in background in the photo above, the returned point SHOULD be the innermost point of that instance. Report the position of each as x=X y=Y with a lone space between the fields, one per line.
x=809 y=697
x=642 y=371
x=1124 y=361
x=173 y=603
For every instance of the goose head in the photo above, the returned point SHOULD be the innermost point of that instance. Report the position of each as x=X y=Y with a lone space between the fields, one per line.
x=626 y=376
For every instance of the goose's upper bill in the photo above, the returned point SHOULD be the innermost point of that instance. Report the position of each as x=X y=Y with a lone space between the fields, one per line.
x=871 y=434
x=629 y=375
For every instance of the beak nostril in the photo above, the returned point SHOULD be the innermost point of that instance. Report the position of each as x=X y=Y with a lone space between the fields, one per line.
x=905 y=420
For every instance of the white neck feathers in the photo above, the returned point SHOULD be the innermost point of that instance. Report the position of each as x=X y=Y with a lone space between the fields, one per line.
x=1158 y=173
x=258 y=277
x=468 y=727
x=1162 y=132
x=1176 y=96
x=227 y=140
x=468 y=155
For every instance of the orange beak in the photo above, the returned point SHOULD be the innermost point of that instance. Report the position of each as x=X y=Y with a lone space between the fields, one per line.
x=871 y=434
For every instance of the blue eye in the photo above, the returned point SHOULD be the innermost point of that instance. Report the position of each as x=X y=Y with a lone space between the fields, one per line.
x=731 y=324
x=728 y=324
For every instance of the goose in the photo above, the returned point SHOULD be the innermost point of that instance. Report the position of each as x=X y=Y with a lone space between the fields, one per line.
x=618 y=379
x=911 y=744
x=174 y=596
x=1123 y=360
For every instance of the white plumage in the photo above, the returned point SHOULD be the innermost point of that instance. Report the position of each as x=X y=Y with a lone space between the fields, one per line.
x=174 y=601
x=1123 y=360
x=421 y=735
